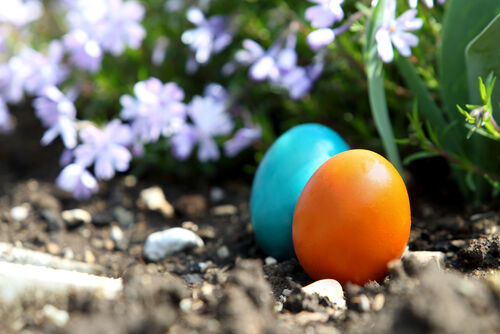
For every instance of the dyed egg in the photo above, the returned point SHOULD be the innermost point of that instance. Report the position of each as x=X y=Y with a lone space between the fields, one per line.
x=352 y=218
x=280 y=177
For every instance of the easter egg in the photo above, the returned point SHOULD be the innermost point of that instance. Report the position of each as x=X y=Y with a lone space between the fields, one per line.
x=279 y=179
x=352 y=218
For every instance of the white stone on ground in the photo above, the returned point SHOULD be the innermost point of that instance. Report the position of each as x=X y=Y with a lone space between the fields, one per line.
x=154 y=199
x=424 y=258
x=20 y=213
x=76 y=216
x=161 y=244
x=55 y=316
x=328 y=288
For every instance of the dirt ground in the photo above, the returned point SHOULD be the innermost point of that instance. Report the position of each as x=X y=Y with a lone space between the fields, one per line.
x=229 y=286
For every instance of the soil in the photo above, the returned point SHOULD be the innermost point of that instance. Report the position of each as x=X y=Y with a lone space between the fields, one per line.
x=229 y=286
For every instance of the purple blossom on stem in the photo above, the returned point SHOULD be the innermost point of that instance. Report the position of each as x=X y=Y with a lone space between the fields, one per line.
x=20 y=12
x=263 y=63
x=300 y=80
x=209 y=119
x=320 y=38
x=5 y=118
x=243 y=138
x=325 y=13
x=395 y=32
x=85 y=53
x=211 y=35
x=105 y=148
x=156 y=109
x=12 y=77
x=77 y=180
x=58 y=114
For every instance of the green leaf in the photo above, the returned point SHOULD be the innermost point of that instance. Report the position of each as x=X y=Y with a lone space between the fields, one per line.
x=428 y=107
x=419 y=155
x=483 y=58
x=376 y=92
x=463 y=20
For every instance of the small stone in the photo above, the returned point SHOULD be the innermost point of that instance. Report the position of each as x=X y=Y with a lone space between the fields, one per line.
x=224 y=210
x=270 y=260
x=205 y=265
x=286 y=292
x=97 y=243
x=76 y=217
x=185 y=304
x=154 y=199
x=130 y=181
x=191 y=205
x=328 y=288
x=52 y=219
x=85 y=232
x=118 y=238
x=53 y=248
x=378 y=302
x=415 y=260
x=124 y=217
x=459 y=243
x=109 y=244
x=362 y=302
x=89 y=257
x=102 y=218
x=68 y=253
x=161 y=244
x=190 y=226
x=223 y=252
x=20 y=213
x=217 y=194
x=56 y=316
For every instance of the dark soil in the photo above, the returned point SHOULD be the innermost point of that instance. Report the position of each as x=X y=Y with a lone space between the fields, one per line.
x=226 y=286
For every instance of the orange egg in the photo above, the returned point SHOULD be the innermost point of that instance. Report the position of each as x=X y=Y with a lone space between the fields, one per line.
x=352 y=218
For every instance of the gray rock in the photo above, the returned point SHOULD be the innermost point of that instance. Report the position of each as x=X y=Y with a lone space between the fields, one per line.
x=117 y=236
x=76 y=217
x=161 y=244
x=414 y=261
x=217 y=194
x=154 y=199
x=52 y=219
x=124 y=217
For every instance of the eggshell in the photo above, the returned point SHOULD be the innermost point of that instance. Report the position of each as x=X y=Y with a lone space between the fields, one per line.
x=352 y=218
x=280 y=177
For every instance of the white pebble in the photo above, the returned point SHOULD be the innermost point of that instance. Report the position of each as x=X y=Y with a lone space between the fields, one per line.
x=217 y=194
x=76 y=216
x=224 y=210
x=154 y=199
x=54 y=315
x=223 y=252
x=116 y=234
x=424 y=258
x=20 y=213
x=270 y=260
x=329 y=288
x=159 y=245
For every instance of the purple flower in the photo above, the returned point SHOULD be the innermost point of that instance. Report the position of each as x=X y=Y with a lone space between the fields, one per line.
x=210 y=36
x=325 y=13
x=428 y=3
x=263 y=63
x=12 y=77
x=77 y=180
x=39 y=71
x=106 y=149
x=5 y=118
x=58 y=114
x=320 y=38
x=209 y=119
x=242 y=138
x=85 y=53
x=159 y=51
x=216 y=91
x=20 y=12
x=395 y=32
x=113 y=24
x=300 y=80
x=156 y=110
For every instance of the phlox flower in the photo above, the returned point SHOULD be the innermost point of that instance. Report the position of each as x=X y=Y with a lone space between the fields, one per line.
x=396 y=32
x=300 y=80
x=243 y=138
x=156 y=110
x=105 y=148
x=77 y=180
x=211 y=35
x=209 y=119
x=325 y=13
x=85 y=53
x=263 y=63
x=20 y=12
x=57 y=113
x=320 y=38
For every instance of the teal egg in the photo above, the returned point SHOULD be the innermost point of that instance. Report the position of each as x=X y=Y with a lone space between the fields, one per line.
x=280 y=178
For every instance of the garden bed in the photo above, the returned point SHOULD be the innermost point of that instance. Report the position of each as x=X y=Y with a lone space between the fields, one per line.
x=229 y=285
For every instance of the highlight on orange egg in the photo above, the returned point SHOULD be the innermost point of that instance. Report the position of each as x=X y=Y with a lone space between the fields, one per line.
x=352 y=218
